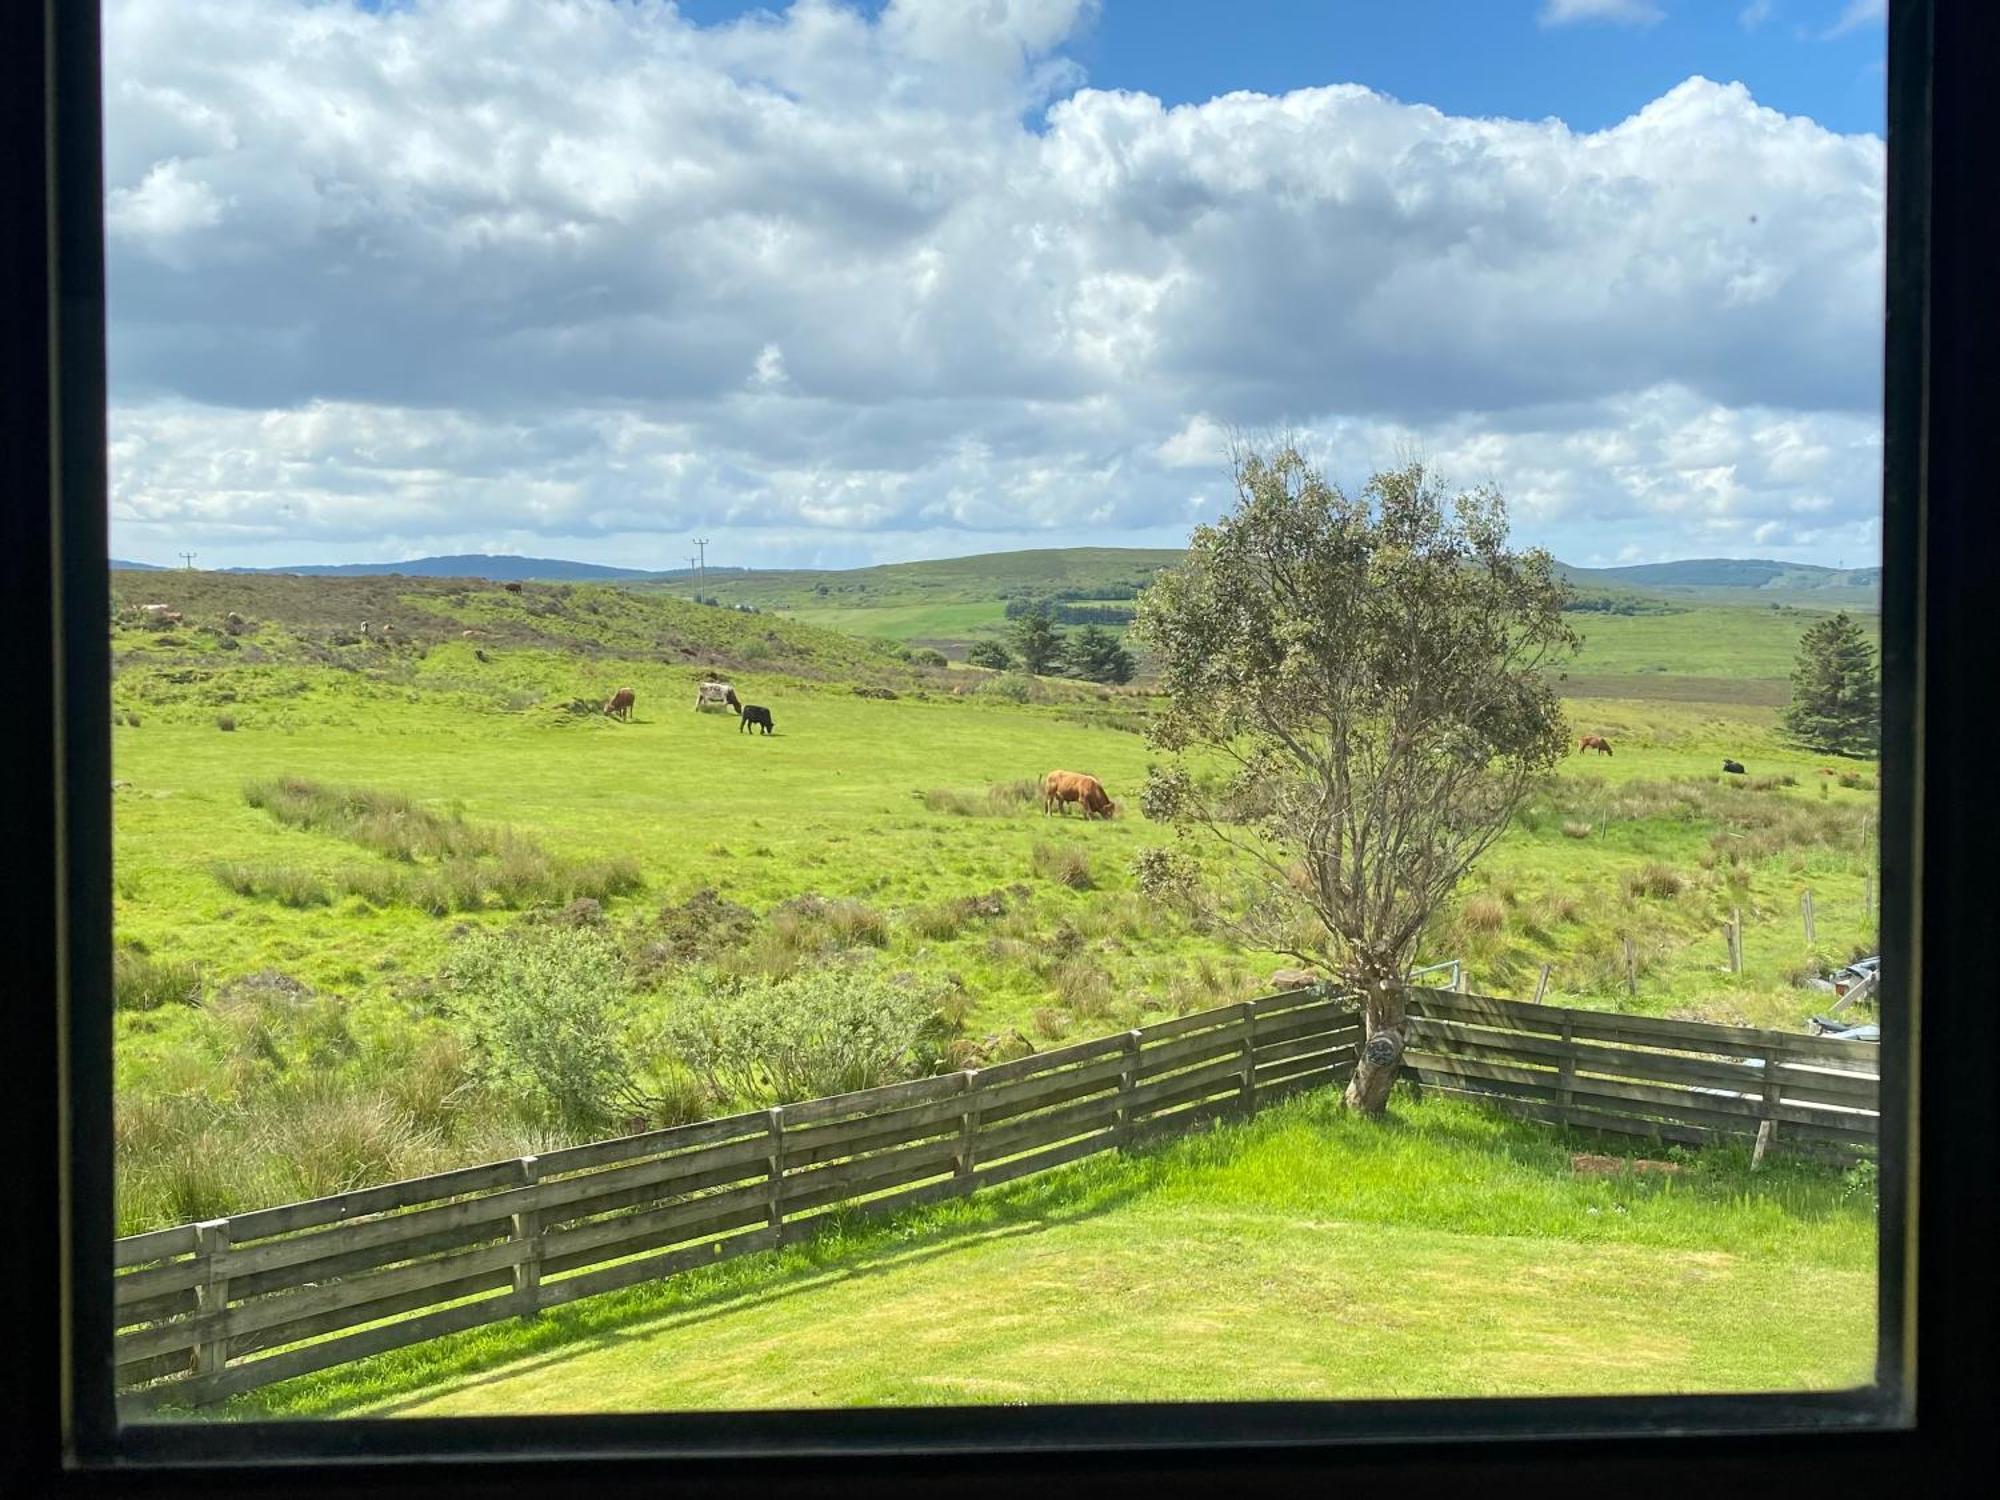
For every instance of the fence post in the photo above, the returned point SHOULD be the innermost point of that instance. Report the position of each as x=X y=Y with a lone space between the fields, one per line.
x=527 y=1227
x=1733 y=932
x=1566 y=1075
x=1128 y=1076
x=1767 y=1129
x=211 y=1294
x=1806 y=912
x=1631 y=971
x=776 y=1209
x=1542 y=984
x=1248 y=1092
x=1458 y=975
x=968 y=1123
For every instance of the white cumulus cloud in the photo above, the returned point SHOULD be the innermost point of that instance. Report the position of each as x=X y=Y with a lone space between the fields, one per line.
x=588 y=277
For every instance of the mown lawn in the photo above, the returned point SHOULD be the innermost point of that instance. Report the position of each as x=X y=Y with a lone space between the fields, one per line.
x=1306 y=1254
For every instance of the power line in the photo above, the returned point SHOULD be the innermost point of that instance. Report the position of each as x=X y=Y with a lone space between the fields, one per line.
x=701 y=546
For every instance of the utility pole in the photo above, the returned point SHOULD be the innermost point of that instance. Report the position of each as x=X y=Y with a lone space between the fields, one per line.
x=701 y=546
x=188 y=558
x=691 y=574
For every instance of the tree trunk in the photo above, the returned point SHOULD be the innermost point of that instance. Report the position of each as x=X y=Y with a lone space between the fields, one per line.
x=1381 y=1048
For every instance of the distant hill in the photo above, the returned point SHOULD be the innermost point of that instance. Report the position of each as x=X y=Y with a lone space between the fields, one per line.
x=497 y=567
x=119 y=565
x=1719 y=579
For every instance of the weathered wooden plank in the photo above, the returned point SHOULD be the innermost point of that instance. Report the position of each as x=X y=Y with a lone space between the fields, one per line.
x=567 y=1192
x=1458 y=1039
x=1042 y=1161
x=1329 y=1014
x=1200 y=1020
x=1689 y=1036
x=1291 y=1000
x=1300 y=1083
x=1042 y=1062
x=154 y=1244
x=295 y=1330
x=1150 y=1098
x=352 y=1295
x=1271 y=1075
x=742 y=1216
x=653 y=1193
x=1186 y=1050
x=251 y=1374
x=1012 y=1098
x=680 y=1217
x=868 y=1175
x=872 y=1101
x=1038 y=1130
x=652 y=1143
x=339 y=1208
x=1306 y=1046
x=656 y=1267
x=874 y=1208
x=804 y=1138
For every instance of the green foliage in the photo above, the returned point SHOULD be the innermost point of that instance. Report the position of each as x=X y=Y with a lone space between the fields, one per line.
x=1038 y=643
x=1374 y=672
x=928 y=656
x=990 y=654
x=546 y=1007
x=1836 y=695
x=757 y=1042
x=1097 y=655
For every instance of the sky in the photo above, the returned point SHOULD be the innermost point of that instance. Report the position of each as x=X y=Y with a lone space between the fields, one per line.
x=832 y=284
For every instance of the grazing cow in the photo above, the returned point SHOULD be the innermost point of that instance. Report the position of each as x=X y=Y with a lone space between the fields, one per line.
x=1593 y=742
x=755 y=714
x=619 y=705
x=1733 y=767
x=1060 y=788
x=513 y=588
x=716 y=695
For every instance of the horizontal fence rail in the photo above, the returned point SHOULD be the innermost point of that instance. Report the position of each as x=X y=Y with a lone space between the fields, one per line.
x=1679 y=1082
x=205 y=1311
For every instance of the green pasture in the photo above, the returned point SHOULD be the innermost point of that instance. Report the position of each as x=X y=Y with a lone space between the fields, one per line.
x=1302 y=1255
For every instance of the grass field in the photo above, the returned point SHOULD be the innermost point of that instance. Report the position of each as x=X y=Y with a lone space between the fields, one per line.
x=287 y=1026
x=1302 y=1255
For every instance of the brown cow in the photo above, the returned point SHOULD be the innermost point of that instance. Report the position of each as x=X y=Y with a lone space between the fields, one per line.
x=1593 y=742
x=620 y=705
x=1060 y=788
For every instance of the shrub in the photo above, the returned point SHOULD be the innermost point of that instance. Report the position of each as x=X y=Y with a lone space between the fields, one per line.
x=1015 y=687
x=990 y=654
x=142 y=983
x=1575 y=830
x=925 y=656
x=1167 y=876
x=1068 y=866
x=756 y=1042
x=544 y=1004
x=225 y=722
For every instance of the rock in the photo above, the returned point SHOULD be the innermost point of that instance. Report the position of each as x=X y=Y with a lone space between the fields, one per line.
x=1293 y=979
x=1825 y=985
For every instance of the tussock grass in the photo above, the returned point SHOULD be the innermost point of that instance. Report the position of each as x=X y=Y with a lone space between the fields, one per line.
x=1065 y=865
x=1661 y=882
x=140 y=982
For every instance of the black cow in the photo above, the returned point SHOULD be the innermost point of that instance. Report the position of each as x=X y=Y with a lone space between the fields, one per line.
x=755 y=714
x=1733 y=767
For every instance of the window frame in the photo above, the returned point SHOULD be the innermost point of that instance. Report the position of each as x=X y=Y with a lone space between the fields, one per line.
x=1937 y=823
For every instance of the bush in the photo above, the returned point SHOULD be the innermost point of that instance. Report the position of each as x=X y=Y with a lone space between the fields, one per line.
x=990 y=654
x=1167 y=876
x=1015 y=687
x=757 y=1042
x=925 y=656
x=142 y=983
x=1065 y=866
x=544 y=1004
x=225 y=722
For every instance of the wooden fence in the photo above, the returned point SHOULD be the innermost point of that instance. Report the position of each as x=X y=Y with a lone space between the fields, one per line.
x=1684 y=1082
x=208 y=1310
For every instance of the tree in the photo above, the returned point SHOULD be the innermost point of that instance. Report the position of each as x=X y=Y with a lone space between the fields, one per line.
x=1836 y=698
x=1372 y=673
x=1038 y=643
x=990 y=654
x=1098 y=655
